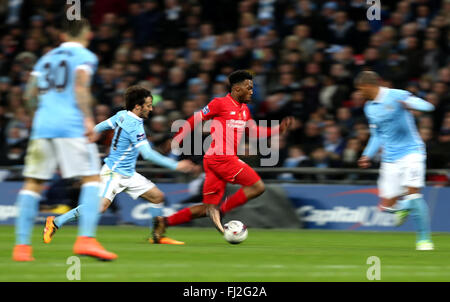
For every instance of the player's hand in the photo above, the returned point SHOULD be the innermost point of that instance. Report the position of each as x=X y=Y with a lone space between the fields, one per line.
x=196 y=170
x=185 y=166
x=286 y=124
x=89 y=125
x=364 y=162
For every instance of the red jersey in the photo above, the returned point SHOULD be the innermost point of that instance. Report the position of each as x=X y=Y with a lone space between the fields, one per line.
x=231 y=120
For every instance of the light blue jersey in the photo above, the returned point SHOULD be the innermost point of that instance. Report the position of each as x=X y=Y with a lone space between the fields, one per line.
x=392 y=126
x=128 y=142
x=58 y=114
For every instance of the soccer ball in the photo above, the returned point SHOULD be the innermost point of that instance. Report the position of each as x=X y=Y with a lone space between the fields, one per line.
x=235 y=232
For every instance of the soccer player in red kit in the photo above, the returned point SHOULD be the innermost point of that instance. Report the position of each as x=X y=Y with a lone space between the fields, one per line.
x=231 y=117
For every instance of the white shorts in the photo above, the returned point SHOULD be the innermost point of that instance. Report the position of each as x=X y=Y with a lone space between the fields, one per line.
x=112 y=183
x=75 y=157
x=408 y=171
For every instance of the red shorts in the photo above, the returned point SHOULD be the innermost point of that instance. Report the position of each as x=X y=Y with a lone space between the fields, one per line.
x=223 y=170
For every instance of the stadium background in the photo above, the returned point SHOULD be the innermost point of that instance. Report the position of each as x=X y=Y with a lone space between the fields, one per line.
x=303 y=54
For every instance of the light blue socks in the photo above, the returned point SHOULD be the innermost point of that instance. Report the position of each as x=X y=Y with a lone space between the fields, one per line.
x=67 y=217
x=28 y=205
x=419 y=213
x=89 y=209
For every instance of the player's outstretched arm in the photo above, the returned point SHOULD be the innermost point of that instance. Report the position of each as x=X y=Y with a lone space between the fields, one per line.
x=256 y=131
x=416 y=103
x=157 y=158
x=188 y=126
x=185 y=166
x=208 y=112
x=108 y=124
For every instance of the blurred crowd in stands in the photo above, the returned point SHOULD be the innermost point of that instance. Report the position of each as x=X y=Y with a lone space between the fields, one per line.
x=304 y=56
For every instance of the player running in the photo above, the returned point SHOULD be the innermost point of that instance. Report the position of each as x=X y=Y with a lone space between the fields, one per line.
x=119 y=174
x=230 y=116
x=62 y=135
x=402 y=170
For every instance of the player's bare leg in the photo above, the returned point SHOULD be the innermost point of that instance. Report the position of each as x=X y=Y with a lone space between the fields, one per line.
x=213 y=212
x=254 y=190
x=154 y=195
x=34 y=185
x=387 y=204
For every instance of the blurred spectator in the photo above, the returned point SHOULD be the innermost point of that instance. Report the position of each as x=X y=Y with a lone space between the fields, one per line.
x=341 y=30
x=173 y=24
x=146 y=22
x=319 y=158
x=357 y=105
x=296 y=105
x=176 y=86
x=295 y=156
x=306 y=43
x=207 y=38
x=345 y=120
x=334 y=143
x=312 y=138
x=351 y=153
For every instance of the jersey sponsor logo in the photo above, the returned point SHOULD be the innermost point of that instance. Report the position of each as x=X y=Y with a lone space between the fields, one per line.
x=205 y=110
x=140 y=137
x=236 y=123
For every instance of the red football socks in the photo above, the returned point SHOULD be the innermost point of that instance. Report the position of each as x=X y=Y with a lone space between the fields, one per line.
x=235 y=200
x=179 y=217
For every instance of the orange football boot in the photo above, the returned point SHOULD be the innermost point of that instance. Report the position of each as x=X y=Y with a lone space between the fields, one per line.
x=89 y=246
x=22 y=252
x=166 y=240
x=50 y=229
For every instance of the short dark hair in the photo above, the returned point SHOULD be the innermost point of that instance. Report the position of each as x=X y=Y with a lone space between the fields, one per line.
x=136 y=95
x=367 y=77
x=239 y=76
x=74 y=27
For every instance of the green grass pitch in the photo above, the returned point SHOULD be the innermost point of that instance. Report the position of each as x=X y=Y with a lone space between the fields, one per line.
x=267 y=255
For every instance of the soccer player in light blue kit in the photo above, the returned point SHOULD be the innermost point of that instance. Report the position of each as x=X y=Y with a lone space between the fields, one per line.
x=62 y=135
x=119 y=171
x=402 y=170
